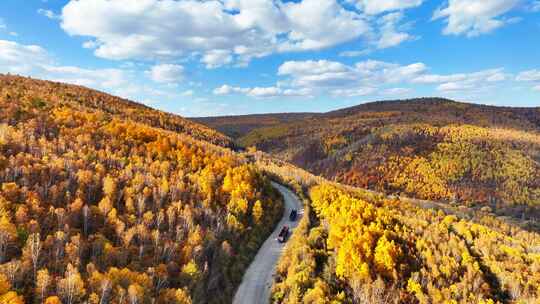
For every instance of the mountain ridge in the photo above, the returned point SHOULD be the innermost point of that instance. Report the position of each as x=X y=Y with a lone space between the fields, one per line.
x=222 y=123
x=428 y=148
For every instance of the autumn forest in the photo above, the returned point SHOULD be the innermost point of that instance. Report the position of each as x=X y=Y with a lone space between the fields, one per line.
x=104 y=200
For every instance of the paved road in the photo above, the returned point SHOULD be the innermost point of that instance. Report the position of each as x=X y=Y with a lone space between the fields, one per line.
x=257 y=281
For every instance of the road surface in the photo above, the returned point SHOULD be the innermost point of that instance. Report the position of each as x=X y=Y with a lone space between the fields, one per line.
x=257 y=281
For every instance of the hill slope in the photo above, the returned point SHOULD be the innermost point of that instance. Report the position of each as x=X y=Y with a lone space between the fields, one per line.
x=103 y=200
x=239 y=126
x=427 y=148
x=38 y=93
x=355 y=247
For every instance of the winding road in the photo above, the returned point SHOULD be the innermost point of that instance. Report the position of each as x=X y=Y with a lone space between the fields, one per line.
x=257 y=281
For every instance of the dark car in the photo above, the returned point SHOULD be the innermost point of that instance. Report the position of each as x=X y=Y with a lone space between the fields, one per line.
x=283 y=234
x=293 y=215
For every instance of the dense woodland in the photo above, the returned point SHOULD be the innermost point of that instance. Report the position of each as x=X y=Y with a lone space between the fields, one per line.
x=106 y=201
x=238 y=126
x=433 y=149
x=103 y=200
x=356 y=247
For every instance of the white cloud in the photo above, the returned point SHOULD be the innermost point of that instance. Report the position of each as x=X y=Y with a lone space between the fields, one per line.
x=311 y=77
x=263 y=92
x=463 y=82
x=474 y=17
x=374 y=7
x=145 y=29
x=217 y=58
x=322 y=73
x=317 y=24
x=353 y=92
x=354 y=53
x=21 y=59
x=34 y=61
x=384 y=72
x=167 y=73
x=90 y=44
x=48 y=13
x=341 y=80
x=371 y=78
x=223 y=90
x=396 y=91
x=390 y=35
x=531 y=75
x=454 y=86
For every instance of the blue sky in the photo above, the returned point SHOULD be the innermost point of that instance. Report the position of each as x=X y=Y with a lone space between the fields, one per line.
x=199 y=58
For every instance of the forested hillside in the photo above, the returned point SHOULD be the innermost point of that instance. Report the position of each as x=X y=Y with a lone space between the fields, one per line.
x=433 y=149
x=103 y=200
x=39 y=92
x=356 y=247
x=238 y=126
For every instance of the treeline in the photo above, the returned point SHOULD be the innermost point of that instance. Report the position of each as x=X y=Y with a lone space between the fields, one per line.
x=98 y=207
x=357 y=248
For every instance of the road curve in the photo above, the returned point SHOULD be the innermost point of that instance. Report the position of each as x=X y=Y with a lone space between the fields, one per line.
x=257 y=281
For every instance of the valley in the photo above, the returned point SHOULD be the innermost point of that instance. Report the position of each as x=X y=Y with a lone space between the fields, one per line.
x=269 y=152
x=421 y=201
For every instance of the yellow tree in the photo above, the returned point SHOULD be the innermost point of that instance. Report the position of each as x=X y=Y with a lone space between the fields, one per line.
x=257 y=212
x=42 y=283
x=71 y=287
x=8 y=232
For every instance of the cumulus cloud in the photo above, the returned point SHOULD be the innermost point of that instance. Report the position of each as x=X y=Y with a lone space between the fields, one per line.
x=34 y=61
x=312 y=77
x=368 y=78
x=384 y=72
x=217 y=58
x=317 y=24
x=390 y=35
x=222 y=31
x=474 y=17
x=166 y=73
x=322 y=73
x=22 y=59
x=374 y=7
x=223 y=90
